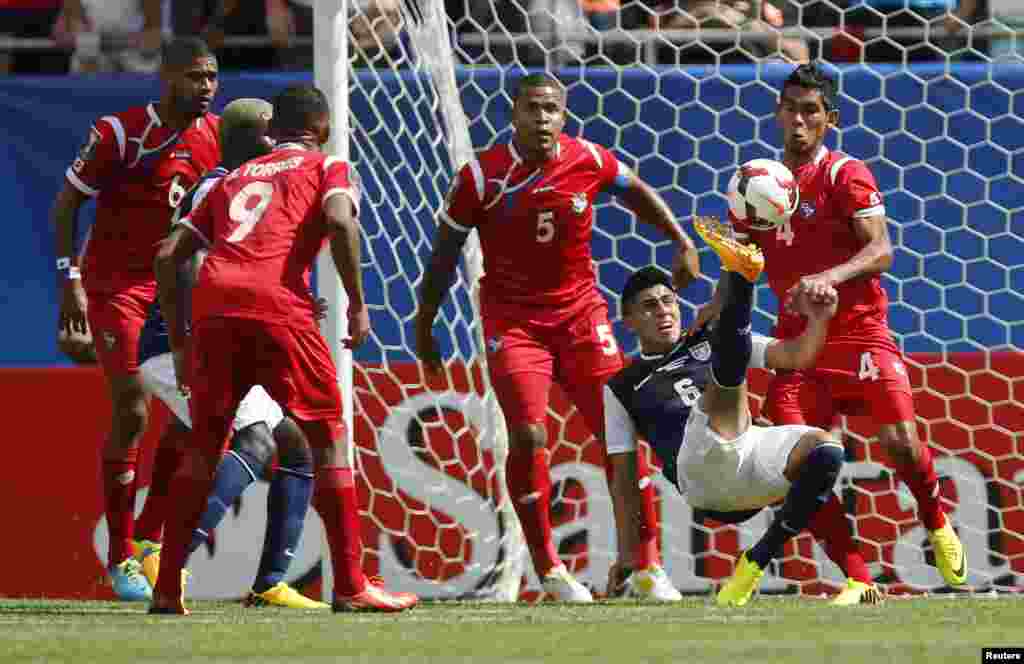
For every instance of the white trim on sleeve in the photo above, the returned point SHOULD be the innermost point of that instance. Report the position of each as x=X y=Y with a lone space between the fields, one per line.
x=619 y=432
x=833 y=172
x=79 y=185
x=595 y=153
x=478 y=178
x=118 y=127
x=875 y=211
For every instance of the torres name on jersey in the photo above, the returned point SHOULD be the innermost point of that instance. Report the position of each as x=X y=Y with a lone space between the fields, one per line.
x=534 y=220
x=139 y=170
x=264 y=226
x=834 y=190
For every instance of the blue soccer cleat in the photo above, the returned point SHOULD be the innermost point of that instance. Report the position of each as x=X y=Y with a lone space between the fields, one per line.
x=129 y=584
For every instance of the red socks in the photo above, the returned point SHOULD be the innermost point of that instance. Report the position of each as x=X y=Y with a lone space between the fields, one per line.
x=150 y=524
x=923 y=483
x=189 y=488
x=119 y=504
x=334 y=498
x=528 y=474
x=647 y=547
x=831 y=530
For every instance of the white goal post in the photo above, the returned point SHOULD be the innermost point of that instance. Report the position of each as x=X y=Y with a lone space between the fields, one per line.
x=943 y=139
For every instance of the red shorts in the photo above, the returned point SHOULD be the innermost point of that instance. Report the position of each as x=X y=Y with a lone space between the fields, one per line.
x=524 y=357
x=863 y=378
x=116 y=321
x=294 y=365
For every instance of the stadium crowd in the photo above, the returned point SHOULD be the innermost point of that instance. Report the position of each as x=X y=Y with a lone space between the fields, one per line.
x=83 y=36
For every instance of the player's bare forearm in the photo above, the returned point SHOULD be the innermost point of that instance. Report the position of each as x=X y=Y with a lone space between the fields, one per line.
x=173 y=253
x=874 y=257
x=346 y=247
x=440 y=274
x=625 y=488
x=65 y=219
x=802 y=352
x=650 y=208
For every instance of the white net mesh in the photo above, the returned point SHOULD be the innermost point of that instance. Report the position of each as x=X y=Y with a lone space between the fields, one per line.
x=946 y=144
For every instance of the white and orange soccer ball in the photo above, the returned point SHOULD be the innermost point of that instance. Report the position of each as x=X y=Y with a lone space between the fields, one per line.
x=763 y=193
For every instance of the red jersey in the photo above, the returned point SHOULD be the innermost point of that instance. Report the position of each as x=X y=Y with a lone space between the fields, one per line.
x=834 y=189
x=264 y=226
x=138 y=169
x=534 y=221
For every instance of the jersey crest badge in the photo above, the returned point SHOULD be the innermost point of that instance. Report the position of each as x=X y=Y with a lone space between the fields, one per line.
x=494 y=344
x=702 y=351
x=807 y=210
x=110 y=339
x=579 y=203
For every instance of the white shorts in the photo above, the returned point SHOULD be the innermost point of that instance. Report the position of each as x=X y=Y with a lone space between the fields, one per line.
x=733 y=475
x=159 y=378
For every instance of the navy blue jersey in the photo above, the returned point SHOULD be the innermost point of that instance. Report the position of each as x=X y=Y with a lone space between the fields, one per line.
x=154 y=339
x=652 y=398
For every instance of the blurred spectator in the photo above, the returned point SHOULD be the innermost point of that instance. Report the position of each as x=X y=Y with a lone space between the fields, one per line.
x=921 y=15
x=114 y=35
x=374 y=24
x=30 y=19
x=1008 y=15
x=729 y=15
x=216 y=20
x=286 y=20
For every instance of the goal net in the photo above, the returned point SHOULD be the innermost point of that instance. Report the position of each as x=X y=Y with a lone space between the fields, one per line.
x=943 y=139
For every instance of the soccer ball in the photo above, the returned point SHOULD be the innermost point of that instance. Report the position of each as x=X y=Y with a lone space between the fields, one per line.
x=763 y=194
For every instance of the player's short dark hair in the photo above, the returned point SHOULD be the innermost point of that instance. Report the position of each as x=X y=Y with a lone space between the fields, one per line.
x=541 y=80
x=641 y=280
x=812 y=77
x=183 y=51
x=297 y=109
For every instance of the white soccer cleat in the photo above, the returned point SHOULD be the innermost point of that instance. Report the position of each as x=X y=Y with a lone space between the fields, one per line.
x=652 y=585
x=564 y=587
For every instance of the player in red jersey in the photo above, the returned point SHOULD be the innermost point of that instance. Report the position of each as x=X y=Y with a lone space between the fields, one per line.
x=838 y=238
x=137 y=164
x=254 y=323
x=531 y=203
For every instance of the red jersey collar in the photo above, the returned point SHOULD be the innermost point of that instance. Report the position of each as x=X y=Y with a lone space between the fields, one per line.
x=515 y=153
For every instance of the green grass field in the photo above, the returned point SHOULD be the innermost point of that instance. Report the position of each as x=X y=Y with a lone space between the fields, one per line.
x=770 y=630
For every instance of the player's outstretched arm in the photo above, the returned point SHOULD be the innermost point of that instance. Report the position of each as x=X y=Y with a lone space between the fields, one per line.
x=436 y=281
x=346 y=250
x=649 y=207
x=875 y=257
x=802 y=351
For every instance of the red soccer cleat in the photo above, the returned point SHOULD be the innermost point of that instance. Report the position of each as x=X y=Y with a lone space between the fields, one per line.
x=375 y=598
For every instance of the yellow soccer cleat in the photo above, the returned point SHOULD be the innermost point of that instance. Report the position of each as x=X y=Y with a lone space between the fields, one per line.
x=744 y=581
x=950 y=557
x=858 y=592
x=147 y=553
x=283 y=595
x=736 y=257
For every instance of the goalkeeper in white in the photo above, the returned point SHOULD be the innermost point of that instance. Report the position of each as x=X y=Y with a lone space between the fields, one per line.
x=687 y=396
